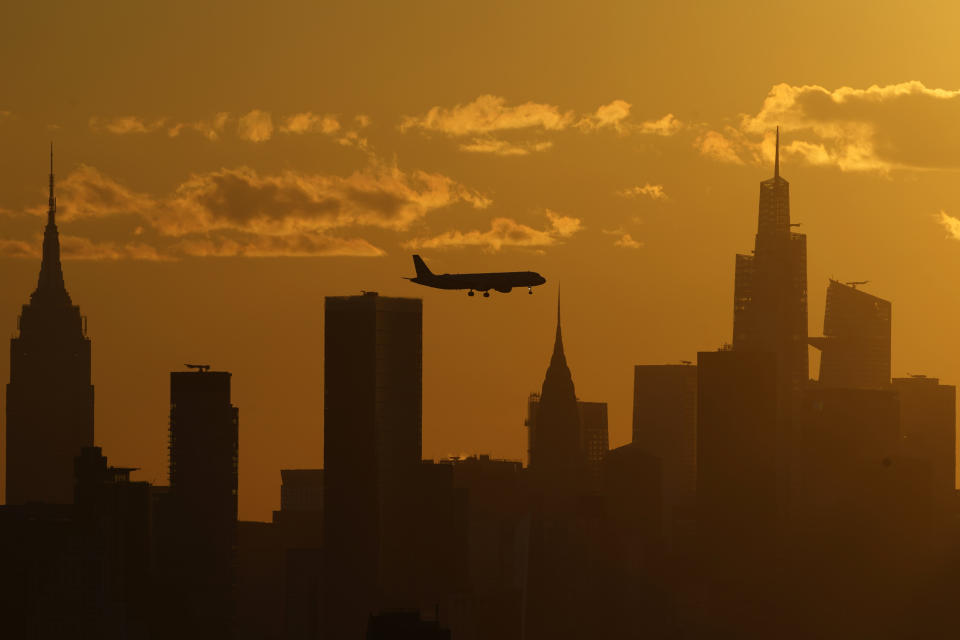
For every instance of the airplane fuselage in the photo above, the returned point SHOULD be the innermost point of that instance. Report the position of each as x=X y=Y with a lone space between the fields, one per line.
x=502 y=282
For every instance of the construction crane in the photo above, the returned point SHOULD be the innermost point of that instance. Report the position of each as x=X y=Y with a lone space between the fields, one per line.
x=199 y=367
x=854 y=283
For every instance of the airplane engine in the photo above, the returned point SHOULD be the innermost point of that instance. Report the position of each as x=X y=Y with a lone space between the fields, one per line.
x=504 y=289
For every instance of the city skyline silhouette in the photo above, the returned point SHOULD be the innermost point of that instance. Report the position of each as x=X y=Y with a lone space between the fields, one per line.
x=739 y=420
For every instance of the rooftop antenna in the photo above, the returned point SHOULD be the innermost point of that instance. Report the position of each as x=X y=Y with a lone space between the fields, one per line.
x=776 y=156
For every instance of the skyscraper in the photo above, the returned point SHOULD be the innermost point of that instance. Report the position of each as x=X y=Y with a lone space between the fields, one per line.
x=49 y=397
x=372 y=448
x=665 y=425
x=928 y=422
x=738 y=494
x=856 y=339
x=594 y=437
x=770 y=291
x=204 y=446
x=594 y=433
x=556 y=455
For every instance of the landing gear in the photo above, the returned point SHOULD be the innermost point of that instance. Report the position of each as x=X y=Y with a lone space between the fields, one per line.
x=486 y=294
x=530 y=290
x=470 y=293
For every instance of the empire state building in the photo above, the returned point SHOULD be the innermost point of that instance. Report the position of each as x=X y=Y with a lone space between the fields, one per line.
x=49 y=397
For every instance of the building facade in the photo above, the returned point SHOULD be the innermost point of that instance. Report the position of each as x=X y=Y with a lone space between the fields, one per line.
x=372 y=448
x=665 y=425
x=49 y=397
x=855 y=346
x=770 y=291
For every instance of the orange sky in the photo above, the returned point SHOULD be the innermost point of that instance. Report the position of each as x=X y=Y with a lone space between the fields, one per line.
x=223 y=168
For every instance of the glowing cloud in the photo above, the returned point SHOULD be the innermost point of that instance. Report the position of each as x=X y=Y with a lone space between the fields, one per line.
x=255 y=126
x=609 y=115
x=627 y=242
x=665 y=126
x=504 y=148
x=879 y=128
x=652 y=191
x=951 y=224
x=503 y=232
x=488 y=114
x=309 y=122
x=240 y=212
x=125 y=125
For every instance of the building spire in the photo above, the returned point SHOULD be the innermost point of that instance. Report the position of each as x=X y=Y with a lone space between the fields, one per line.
x=558 y=358
x=52 y=202
x=50 y=285
x=776 y=157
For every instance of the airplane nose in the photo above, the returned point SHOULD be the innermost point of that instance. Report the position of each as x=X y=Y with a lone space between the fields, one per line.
x=542 y=279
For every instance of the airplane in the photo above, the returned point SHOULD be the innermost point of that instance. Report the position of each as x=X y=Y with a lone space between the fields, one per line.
x=502 y=282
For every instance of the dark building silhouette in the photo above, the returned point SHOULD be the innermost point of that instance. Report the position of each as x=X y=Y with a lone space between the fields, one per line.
x=372 y=449
x=557 y=458
x=113 y=529
x=665 y=425
x=736 y=446
x=633 y=602
x=594 y=434
x=49 y=397
x=770 y=291
x=594 y=437
x=855 y=347
x=199 y=520
x=259 y=582
x=863 y=517
x=300 y=524
x=80 y=570
x=404 y=625
x=928 y=420
x=41 y=585
x=738 y=503
x=491 y=566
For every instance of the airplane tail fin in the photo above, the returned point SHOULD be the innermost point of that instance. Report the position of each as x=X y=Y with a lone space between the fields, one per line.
x=423 y=271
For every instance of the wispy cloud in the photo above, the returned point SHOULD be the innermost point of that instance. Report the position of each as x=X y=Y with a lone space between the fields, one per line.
x=488 y=114
x=255 y=126
x=879 y=128
x=504 y=148
x=124 y=125
x=951 y=224
x=210 y=129
x=720 y=146
x=241 y=212
x=81 y=248
x=490 y=121
x=10 y=248
x=309 y=122
x=301 y=245
x=652 y=191
x=87 y=193
x=665 y=126
x=609 y=115
x=626 y=241
x=504 y=232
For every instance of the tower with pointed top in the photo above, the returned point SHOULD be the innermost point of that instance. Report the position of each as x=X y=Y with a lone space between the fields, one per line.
x=770 y=313
x=556 y=455
x=770 y=290
x=49 y=396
